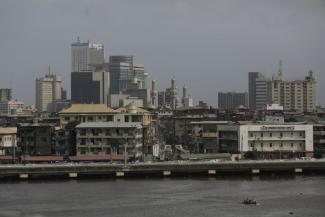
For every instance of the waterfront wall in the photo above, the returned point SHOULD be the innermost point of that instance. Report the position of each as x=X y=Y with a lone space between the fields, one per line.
x=162 y=169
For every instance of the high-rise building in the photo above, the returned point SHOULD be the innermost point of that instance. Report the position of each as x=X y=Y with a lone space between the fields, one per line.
x=48 y=89
x=161 y=99
x=89 y=87
x=5 y=94
x=232 y=100
x=259 y=91
x=125 y=75
x=11 y=107
x=85 y=55
x=297 y=95
x=153 y=94
x=187 y=101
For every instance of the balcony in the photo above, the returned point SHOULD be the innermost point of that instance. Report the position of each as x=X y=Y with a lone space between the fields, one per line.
x=209 y=135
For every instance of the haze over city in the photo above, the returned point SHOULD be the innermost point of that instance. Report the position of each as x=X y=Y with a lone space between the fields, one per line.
x=208 y=45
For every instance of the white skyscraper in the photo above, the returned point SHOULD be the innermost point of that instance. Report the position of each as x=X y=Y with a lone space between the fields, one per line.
x=85 y=55
x=48 y=89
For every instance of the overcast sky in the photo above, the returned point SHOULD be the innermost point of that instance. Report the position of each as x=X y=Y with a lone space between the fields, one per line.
x=209 y=45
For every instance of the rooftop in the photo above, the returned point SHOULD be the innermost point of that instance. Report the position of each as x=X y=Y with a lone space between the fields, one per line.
x=110 y=125
x=87 y=108
x=8 y=130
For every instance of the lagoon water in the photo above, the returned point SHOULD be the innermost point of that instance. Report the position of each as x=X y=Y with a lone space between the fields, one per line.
x=201 y=196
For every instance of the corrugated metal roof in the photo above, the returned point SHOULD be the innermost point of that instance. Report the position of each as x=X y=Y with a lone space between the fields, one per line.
x=42 y=158
x=96 y=157
x=110 y=125
x=8 y=130
x=87 y=108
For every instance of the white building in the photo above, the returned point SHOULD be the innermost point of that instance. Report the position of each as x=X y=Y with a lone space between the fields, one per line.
x=48 y=90
x=85 y=55
x=11 y=107
x=286 y=140
x=8 y=140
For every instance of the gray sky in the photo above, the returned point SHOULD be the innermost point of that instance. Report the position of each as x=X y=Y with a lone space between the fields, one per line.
x=209 y=45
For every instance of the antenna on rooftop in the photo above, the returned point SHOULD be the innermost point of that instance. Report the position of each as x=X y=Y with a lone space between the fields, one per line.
x=49 y=69
x=280 y=68
x=78 y=39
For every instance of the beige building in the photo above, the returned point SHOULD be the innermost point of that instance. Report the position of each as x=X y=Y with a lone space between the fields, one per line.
x=8 y=140
x=48 y=89
x=86 y=113
x=298 y=95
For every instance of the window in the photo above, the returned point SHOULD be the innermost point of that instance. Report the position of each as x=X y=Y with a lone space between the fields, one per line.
x=66 y=118
x=261 y=134
x=281 y=144
x=291 y=145
x=262 y=144
x=251 y=135
x=270 y=134
x=281 y=134
x=252 y=145
x=270 y=144
x=90 y=118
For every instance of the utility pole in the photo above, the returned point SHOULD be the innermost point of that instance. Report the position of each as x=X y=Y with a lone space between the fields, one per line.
x=125 y=154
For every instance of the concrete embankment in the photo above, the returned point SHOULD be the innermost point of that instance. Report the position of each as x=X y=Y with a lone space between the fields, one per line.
x=68 y=170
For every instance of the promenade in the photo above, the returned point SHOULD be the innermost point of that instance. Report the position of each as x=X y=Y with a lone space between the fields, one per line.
x=175 y=168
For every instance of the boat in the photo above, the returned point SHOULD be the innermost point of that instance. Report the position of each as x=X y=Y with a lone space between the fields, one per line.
x=250 y=202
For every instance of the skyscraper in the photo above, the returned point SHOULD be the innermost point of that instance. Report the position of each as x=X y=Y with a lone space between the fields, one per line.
x=89 y=87
x=259 y=91
x=5 y=94
x=232 y=100
x=48 y=89
x=125 y=75
x=89 y=76
x=85 y=55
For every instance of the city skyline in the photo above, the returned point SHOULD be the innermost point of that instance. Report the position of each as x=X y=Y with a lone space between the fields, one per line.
x=216 y=48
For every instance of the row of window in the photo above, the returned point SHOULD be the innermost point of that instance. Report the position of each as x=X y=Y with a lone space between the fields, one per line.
x=271 y=134
x=271 y=145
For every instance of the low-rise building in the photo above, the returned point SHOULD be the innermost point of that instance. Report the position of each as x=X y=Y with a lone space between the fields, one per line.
x=36 y=139
x=277 y=141
x=86 y=113
x=266 y=140
x=8 y=140
x=110 y=138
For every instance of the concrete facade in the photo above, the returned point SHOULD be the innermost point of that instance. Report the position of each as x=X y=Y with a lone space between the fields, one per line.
x=48 y=89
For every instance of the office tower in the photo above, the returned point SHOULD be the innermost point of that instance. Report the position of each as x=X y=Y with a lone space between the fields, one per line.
x=297 y=95
x=153 y=94
x=232 y=100
x=125 y=75
x=187 y=101
x=89 y=87
x=85 y=55
x=48 y=89
x=259 y=91
x=11 y=107
x=5 y=94
x=161 y=99
x=64 y=94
